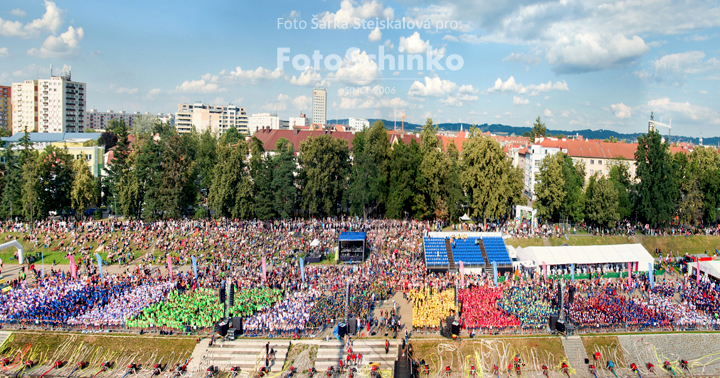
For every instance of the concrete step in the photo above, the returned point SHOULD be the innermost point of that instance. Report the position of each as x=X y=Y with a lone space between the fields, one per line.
x=4 y=336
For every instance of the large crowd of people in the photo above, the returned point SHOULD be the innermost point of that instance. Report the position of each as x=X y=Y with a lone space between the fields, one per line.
x=261 y=260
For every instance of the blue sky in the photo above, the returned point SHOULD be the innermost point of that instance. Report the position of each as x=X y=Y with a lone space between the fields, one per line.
x=577 y=64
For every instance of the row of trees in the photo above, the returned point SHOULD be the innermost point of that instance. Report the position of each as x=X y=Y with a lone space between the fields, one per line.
x=677 y=188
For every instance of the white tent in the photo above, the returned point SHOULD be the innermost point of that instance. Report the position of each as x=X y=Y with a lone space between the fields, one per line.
x=711 y=268
x=315 y=243
x=465 y=218
x=588 y=254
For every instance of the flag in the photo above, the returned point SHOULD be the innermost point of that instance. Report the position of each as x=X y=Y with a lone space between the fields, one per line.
x=544 y=269
x=42 y=258
x=194 y=264
x=302 y=270
x=651 y=273
x=462 y=275
x=73 y=268
x=99 y=260
x=495 y=278
x=264 y=270
x=629 y=273
x=572 y=268
x=697 y=272
x=169 y=264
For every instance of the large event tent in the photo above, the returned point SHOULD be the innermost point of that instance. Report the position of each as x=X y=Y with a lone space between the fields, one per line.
x=587 y=254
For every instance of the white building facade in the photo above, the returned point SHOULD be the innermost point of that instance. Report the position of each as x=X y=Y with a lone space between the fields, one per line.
x=533 y=161
x=358 y=123
x=301 y=121
x=55 y=105
x=215 y=118
x=319 y=106
x=265 y=120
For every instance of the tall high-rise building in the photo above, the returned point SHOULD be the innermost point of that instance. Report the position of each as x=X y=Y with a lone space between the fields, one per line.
x=319 y=106
x=216 y=118
x=5 y=107
x=55 y=105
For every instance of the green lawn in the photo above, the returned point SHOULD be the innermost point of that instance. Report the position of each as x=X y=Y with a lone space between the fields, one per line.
x=690 y=245
x=520 y=242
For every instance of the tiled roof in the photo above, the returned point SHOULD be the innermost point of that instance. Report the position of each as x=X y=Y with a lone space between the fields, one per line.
x=271 y=137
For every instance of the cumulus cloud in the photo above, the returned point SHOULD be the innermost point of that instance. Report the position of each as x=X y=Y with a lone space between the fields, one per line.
x=621 y=110
x=375 y=35
x=358 y=69
x=126 y=91
x=302 y=102
x=368 y=97
x=389 y=45
x=529 y=59
x=683 y=111
x=350 y=11
x=252 y=76
x=594 y=51
x=467 y=88
x=519 y=101
x=548 y=113
x=511 y=86
x=18 y=12
x=152 y=93
x=309 y=77
x=207 y=84
x=4 y=52
x=414 y=44
x=432 y=87
x=50 y=22
x=64 y=45
x=672 y=69
x=279 y=104
x=442 y=18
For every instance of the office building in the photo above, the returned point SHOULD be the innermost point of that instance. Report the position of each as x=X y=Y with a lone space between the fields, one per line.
x=301 y=121
x=216 y=118
x=55 y=105
x=5 y=107
x=319 y=106
x=266 y=121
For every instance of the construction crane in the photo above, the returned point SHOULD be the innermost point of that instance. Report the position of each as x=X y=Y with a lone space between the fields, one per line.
x=653 y=124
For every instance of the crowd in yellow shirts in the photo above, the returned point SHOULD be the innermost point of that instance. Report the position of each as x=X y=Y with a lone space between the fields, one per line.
x=430 y=306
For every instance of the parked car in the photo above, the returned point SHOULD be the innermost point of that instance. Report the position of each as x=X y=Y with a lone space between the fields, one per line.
x=91 y=211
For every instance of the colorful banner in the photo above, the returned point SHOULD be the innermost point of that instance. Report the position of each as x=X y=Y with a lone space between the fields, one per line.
x=194 y=264
x=495 y=277
x=544 y=270
x=651 y=272
x=264 y=270
x=462 y=275
x=169 y=264
x=73 y=267
x=629 y=273
x=697 y=272
x=572 y=269
x=302 y=270
x=99 y=260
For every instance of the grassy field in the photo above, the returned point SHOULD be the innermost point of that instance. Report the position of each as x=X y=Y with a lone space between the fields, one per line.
x=486 y=351
x=520 y=242
x=691 y=245
x=46 y=347
x=608 y=346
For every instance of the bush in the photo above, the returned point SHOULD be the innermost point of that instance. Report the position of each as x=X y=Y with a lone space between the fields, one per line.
x=97 y=215
x=200 y=213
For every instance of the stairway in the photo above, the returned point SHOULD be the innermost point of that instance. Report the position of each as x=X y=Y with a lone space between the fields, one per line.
x=488 y=267
x=248 y=354
x=451 y=259
x=576 y=354
x=373 y=351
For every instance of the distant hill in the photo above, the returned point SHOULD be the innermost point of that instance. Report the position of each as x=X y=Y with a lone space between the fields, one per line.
x=519 y=130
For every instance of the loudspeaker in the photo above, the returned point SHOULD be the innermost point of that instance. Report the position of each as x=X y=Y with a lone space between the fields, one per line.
x=455 y=328
x=449 y=321
x=232 y=295
x=587 y=361
x=552 y=322
x=352 y=326
x=560 y=326
x=571 y=294
x=342 y=329
x=237 y=324
x=560 y=295
x=222 y=327
x=222 y=294
x=231 y=334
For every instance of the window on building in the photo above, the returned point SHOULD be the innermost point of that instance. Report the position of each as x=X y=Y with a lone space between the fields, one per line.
x=599 y=162
x=592 y=161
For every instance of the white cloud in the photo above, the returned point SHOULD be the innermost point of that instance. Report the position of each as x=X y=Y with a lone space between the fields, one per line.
x=357 y=69
x=126 y=90
x=4 y=52
x=32 y=70
x=367 y=97
x=565 y=114
x=621 y=110
x=442 y=18
x=152 y=93
x=207 y=84
x=697 y=38
x=433 y=87
x=593 y=51
x=50 y=22
x=450 y=38
x=451 y=101
x=655 y=44
x=302 y=102
x=389 y=45
x=279 y=104
x=413 y=44
x=252 y=76
x=703 y=92
x=683 y=111
x=520 y=101
x=375 y=35
x=470 y=38
x=309 y=77
x=18 y=12
x=65 y=45
x=350 y=12
x=467 y=88
x=673 y=69
x=294 y=16
x=529 y=59
x=548 y=113
x=511 y=86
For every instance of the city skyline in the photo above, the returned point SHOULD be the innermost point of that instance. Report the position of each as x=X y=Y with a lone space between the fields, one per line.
x=577 y=65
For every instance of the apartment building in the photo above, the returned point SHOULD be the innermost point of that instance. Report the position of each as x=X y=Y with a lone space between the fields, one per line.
x=55 y=105
x=301 y=121
x=5 y=107
x=97 y=120
x=357 y=123
x=319 y=106
x=270 y=121
x=216 y=118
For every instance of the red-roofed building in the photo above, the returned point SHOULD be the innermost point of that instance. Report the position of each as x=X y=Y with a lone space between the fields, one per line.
x=296 y=137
